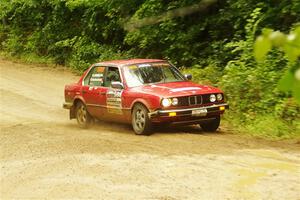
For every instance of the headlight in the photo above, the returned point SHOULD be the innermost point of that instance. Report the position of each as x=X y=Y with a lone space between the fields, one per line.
x=212 y=98
x=166 y=102
x=219 y=97
x=174 y=101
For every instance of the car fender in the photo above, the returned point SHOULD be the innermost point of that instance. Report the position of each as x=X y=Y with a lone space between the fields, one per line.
x=78 y=97
x=142 y=101
x=72 y=109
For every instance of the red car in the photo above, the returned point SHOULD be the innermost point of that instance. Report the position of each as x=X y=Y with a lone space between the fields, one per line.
x=143 y=92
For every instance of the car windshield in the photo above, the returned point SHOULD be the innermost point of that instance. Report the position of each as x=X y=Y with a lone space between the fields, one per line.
x=137 y=75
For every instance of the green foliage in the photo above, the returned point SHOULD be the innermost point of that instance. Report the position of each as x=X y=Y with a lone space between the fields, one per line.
x=211 y=39
x=252 y=88
x=268 y=126
x=75 y=33
x=209 y=75
x=191 y=32
x=14 y=44
x=290 y=44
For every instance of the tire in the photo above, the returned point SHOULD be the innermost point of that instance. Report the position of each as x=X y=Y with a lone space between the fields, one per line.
x=211 y=126
x=84 y=119
x=141 y=123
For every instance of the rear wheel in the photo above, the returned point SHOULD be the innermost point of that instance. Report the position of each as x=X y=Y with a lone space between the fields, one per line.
x=212 y=125
x=84 y=119
x=141 y=123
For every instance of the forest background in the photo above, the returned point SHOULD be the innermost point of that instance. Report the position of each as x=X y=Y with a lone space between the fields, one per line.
x=211 y=39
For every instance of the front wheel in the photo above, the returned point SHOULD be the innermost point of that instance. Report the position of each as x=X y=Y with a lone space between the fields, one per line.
x=211 y=126
x=141 y=123
x=84 y=119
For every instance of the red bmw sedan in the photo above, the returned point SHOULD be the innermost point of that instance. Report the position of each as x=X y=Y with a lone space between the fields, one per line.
x=143 y=92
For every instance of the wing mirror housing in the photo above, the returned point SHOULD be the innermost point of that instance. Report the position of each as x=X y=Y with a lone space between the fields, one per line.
x=188 y=76
x=117 y=85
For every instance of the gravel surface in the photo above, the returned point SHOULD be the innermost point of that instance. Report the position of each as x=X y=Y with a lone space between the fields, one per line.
x=44 y=155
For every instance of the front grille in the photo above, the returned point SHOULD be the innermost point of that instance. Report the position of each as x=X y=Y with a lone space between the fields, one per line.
x=194 y=100
x=183 y=101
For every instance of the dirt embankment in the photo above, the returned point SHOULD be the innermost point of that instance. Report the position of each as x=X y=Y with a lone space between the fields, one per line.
x=45 y=155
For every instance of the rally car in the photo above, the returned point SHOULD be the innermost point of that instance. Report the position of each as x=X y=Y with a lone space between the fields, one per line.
x=143 y=92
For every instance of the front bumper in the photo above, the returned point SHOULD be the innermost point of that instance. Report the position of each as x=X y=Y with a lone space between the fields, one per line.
x=186 y=114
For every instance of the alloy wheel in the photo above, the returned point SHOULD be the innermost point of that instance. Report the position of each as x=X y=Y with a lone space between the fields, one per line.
x=140 y=119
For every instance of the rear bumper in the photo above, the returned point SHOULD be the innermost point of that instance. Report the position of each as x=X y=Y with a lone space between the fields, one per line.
x=188 y=114
x=67 y=105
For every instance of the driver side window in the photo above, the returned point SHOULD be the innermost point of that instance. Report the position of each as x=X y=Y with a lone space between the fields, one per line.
x=112 y=75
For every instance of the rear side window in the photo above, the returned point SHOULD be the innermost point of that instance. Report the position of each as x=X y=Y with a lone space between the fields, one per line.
x=95 y=77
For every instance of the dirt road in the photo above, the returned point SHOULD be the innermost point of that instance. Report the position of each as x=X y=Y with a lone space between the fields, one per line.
x=45 y=155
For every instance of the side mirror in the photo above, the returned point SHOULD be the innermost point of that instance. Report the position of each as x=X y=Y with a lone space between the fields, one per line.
x=188 y=76
x=117 y=85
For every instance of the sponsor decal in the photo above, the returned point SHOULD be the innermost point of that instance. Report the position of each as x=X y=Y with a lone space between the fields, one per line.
x=133 y=67
x=100 y=69
x=96 y=79
x=144 y=65
x=97 y=75
x=114 y=101
x=160 y=64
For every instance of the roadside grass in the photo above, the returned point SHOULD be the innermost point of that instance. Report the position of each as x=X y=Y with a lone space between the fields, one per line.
x=264 y=126
x=28 y=58
x=31 y=58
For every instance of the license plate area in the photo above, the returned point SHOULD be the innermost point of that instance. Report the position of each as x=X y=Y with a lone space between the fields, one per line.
x=199 y=112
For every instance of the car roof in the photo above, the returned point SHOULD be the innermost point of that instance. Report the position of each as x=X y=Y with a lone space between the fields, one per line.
x=130 y=62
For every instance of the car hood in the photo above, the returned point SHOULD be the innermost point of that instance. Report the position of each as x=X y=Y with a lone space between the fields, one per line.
x=176 y=89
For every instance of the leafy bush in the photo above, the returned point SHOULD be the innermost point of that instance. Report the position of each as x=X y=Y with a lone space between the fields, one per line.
x=211 y=39
x=209 y=75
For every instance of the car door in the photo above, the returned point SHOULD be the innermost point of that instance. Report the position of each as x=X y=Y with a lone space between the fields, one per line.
x=114 y=109
x=94 y=92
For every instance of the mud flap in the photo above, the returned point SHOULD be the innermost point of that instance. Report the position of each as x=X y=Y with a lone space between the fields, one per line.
x=72 y=113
